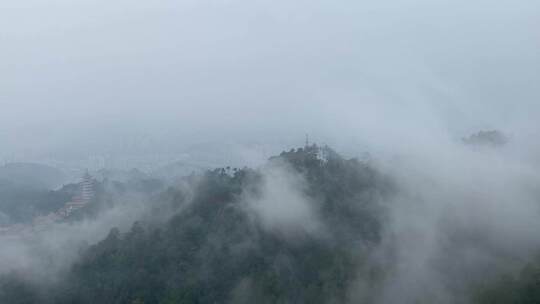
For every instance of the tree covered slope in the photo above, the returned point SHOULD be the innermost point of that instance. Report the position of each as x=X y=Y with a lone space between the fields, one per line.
x=228 y=244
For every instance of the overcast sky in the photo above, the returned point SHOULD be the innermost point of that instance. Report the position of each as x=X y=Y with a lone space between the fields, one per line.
x=87 y=75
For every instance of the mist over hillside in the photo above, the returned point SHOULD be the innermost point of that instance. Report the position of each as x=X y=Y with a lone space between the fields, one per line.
x=269 y=151
x=309 y=226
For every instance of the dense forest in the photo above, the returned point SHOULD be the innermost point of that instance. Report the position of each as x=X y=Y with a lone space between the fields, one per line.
x=216 y=244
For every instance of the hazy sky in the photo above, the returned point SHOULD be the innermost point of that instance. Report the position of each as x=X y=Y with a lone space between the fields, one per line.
x=81 y=77
x=90 y=74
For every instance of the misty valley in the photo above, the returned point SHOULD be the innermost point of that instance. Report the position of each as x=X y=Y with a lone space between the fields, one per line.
x=269 y=152
x=308 y=226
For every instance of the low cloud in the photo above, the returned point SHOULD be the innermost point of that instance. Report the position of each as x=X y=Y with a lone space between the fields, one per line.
x=280 y=202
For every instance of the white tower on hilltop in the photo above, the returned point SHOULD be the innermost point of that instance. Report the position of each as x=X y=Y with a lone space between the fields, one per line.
x=87 y=188
x=86 y=194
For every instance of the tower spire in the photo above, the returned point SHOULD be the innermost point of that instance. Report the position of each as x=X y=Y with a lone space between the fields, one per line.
x=307 y=140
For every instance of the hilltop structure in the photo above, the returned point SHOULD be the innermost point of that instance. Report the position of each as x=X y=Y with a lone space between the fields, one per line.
x=86 y=194
x=87 y=188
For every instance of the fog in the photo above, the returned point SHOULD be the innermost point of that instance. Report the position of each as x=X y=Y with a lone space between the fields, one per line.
x=281 y=205
x=463 y=215
x=101 y=78
x=232 y=82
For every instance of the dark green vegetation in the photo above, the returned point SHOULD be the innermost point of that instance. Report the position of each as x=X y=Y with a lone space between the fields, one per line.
x=520 y=288
x=215 y=251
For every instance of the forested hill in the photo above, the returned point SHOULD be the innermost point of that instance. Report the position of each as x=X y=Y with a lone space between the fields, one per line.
x=227 y=244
